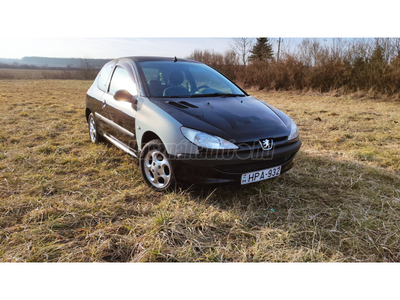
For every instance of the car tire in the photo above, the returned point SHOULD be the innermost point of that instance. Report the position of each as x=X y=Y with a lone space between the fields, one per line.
x=94 y=135
x=156 y=166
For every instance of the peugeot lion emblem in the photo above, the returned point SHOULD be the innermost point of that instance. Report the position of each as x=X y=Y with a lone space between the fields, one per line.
x=266 y=144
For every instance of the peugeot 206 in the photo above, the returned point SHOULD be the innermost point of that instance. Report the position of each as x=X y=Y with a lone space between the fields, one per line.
x=185 y=121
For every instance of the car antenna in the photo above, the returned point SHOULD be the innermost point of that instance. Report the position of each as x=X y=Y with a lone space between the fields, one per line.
x=175 y=59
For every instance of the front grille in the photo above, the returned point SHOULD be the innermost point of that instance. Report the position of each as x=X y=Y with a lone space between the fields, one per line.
x=253 y=165
x=278 y=142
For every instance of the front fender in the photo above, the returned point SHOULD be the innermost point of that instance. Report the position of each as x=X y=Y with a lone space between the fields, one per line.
x=151 y=118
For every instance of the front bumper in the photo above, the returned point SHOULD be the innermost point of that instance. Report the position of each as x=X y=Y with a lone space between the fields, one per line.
x=228 y=167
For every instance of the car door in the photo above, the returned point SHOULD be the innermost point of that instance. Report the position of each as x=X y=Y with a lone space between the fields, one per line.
x=121 y=115
x=97 y=94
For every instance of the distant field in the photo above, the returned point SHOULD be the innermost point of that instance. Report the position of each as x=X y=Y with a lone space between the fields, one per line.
x=64 y=199
x=38 y=74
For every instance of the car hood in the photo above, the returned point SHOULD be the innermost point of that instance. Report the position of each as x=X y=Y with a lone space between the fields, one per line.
x=239 y=119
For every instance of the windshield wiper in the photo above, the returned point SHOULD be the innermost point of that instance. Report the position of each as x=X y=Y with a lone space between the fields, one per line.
x=217 y=95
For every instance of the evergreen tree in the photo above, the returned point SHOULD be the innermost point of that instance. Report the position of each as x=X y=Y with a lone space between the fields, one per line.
x=262 y=50
x=377 y=57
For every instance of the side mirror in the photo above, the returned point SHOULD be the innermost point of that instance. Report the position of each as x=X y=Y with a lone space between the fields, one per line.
x=124 y=95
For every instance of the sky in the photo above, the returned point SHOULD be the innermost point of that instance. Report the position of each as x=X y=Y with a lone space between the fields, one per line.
x=108 y=47
x=104 y=29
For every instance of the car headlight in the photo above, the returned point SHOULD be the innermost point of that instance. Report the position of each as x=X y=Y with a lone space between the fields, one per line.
x=206 y=140
x=294 y=132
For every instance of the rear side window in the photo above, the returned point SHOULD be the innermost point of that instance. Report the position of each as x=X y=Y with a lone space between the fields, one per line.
x=122 y=81
x=104 y=75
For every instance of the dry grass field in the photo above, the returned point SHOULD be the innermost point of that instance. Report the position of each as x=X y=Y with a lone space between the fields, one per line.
x=63 y=199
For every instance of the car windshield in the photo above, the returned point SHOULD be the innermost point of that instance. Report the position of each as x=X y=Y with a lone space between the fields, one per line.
x=186 y=79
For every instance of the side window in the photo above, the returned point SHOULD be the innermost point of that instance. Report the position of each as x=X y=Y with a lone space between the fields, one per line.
x=103 y=76
x=122 y=81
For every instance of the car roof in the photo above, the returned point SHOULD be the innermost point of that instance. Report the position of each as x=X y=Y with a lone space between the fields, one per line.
x=154 y=58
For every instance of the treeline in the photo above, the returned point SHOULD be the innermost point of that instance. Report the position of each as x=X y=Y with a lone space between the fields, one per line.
x=50 y=63
x=342 y=65
x=227 y=63
x=64 y=62
x=34 y=67
x=85 y=71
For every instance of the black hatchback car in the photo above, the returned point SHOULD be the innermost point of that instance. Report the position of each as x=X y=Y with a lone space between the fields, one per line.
x=185 y=121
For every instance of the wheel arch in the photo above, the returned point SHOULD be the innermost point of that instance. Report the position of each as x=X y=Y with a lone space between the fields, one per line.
x=88 y=111
x=147 y=137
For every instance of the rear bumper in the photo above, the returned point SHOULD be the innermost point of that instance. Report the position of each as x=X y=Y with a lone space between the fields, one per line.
x=224 y=168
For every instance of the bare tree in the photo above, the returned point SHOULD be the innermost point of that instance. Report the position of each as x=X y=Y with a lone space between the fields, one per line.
x=288 y=48
x=87 y=70
x=308 y=51
x=242 y=47
x=339 y=49
x=385 y=44
x=231 y=58
x=395 y=47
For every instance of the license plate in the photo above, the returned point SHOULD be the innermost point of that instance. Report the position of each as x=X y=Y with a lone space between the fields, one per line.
x=261 y=175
